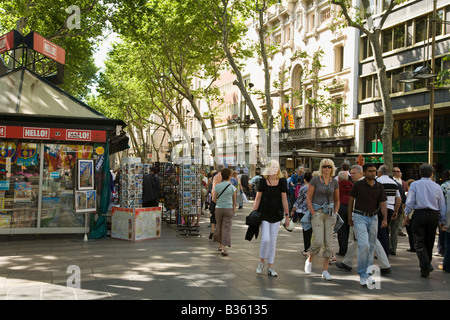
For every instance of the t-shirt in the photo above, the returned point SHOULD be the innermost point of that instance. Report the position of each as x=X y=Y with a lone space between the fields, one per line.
x=368 y=197
x=323 y=193
x=271 y=205
x=226 y=199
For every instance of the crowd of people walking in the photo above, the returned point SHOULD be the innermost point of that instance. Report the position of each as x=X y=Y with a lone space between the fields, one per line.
x=365 y=206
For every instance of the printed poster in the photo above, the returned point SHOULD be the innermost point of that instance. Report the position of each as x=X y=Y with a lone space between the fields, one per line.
x=22 y=192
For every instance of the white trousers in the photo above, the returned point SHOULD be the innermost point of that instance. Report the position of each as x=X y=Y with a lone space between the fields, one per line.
x=269 y=234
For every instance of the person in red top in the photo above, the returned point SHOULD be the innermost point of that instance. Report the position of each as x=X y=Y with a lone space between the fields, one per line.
x=344 y=195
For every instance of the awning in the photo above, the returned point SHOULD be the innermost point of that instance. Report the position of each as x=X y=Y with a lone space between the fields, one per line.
x=305 y=153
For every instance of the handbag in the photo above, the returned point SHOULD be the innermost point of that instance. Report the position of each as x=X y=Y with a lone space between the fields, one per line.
x=290 y=226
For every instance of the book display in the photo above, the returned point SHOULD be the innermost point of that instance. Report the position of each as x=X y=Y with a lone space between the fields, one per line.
x=190 y=198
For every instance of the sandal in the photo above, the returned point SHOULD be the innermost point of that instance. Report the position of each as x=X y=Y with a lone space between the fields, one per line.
x=223 y=253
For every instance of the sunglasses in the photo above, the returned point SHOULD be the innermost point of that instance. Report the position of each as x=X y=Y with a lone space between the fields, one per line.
x=326 y=167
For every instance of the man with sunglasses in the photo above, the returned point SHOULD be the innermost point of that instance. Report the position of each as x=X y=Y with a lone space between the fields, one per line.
x=369 y=198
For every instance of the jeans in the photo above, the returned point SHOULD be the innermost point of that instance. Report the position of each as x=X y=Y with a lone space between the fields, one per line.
x=366 y=233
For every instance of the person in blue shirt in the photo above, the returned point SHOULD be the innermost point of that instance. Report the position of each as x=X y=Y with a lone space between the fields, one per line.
x=426 y=198
x=224 y=194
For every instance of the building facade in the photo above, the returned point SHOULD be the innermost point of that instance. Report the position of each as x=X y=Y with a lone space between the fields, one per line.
x=407 y=45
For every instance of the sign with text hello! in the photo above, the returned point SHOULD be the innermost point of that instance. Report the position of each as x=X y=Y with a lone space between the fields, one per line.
x=61 y=134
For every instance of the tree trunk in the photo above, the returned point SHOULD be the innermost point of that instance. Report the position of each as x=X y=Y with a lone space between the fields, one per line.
x=388 y=125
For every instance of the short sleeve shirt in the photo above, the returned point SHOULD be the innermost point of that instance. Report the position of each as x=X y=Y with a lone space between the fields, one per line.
x=323 y=193
x=226 y=199
x=368 y=197
x=271 y=204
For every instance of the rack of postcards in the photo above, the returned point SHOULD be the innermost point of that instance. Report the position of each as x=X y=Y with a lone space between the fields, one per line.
x=131 y=181
x=190 y=198
x=170 y=179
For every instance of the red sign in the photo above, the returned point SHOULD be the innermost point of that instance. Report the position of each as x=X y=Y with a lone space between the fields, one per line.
x=83 y=135
x=38 y=43
x=36 y=133
x=61 y=134
x=9 y=41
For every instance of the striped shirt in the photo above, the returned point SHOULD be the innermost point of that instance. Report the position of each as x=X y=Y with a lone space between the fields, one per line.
x=391 y=189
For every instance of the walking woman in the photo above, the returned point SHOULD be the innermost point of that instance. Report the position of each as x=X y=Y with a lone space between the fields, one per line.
x=301 y=207
x=271 y=201
x=323 y=204
x=224 y=195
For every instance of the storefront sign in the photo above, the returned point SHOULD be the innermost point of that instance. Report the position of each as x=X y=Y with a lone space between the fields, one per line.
x=83 y=135
x=35 y=133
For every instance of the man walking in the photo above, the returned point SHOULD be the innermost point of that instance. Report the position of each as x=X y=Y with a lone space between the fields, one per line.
x=393 y=203
x=369 y=198
x=425 y=197
x=356 y=173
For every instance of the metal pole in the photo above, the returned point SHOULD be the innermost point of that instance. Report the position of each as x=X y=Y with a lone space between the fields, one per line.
x=433 y=69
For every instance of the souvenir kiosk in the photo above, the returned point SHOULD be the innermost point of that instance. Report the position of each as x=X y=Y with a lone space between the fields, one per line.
x=54 y=149
x=130 y=221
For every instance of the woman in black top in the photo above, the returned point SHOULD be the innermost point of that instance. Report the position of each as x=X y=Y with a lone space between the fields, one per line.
x=271 y=201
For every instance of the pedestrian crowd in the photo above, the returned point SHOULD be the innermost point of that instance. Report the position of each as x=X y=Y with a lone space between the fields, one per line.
x=365 y=206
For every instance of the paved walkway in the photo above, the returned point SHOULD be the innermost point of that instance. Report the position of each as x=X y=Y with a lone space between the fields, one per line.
x=191 y=268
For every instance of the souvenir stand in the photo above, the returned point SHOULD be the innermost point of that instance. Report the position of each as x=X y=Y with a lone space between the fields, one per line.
x=170 y=179
x=190 y=198
x=130 y=221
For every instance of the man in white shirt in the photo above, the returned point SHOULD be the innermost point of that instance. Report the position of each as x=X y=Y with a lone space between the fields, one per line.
x=393 y=203
x=426 y=198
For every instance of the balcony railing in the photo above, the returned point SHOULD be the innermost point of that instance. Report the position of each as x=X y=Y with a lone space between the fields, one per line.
x=345 y=130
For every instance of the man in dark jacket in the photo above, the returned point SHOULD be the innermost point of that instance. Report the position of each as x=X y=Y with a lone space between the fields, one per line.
x=149 y=193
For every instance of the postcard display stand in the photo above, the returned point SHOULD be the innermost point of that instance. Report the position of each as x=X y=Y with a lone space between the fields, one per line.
x=131 y=221
x=190 y=199
x=170 y=180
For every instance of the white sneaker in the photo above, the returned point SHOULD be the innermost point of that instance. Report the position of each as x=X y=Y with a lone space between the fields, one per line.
x=271 y=272
x=260 y=268
x=326 y=276
x=363 y=281
x=308 y=266
x=366 y=281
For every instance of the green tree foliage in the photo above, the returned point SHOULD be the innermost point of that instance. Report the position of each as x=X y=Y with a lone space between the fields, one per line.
x=49 y=19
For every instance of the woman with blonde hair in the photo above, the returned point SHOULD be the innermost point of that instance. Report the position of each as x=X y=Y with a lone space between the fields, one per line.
x=271 y=201
x=323 y=204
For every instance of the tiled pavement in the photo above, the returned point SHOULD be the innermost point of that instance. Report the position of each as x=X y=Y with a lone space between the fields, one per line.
x=191 y=268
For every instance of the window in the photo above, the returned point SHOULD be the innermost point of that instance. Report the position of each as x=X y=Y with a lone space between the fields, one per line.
x=366 y=48
x=394 y=38
x=311 y=22
x=337 y=116
x=338 y=58
x=387 y=40
x=399 y=36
